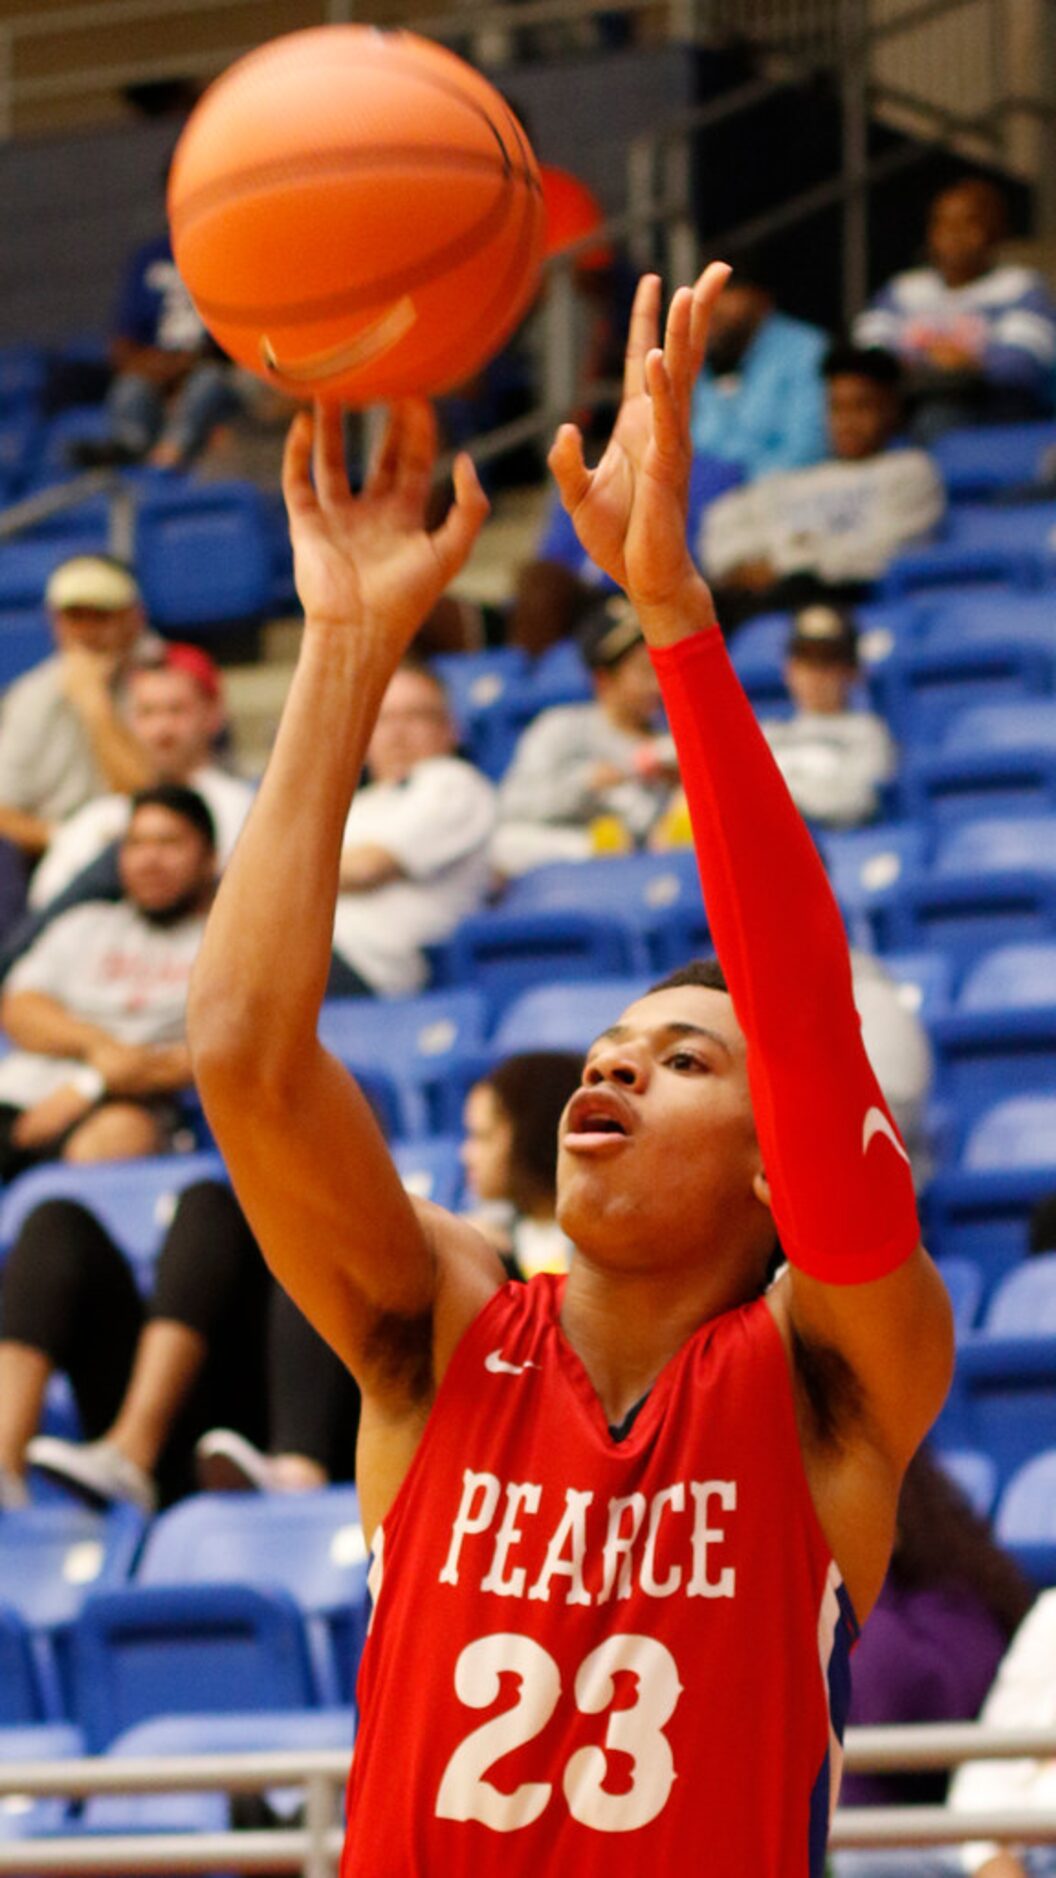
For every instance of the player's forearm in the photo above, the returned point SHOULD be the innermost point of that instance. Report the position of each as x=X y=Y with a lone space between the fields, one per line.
x=841 y=1214
x=262 y=970
x=36 y=1022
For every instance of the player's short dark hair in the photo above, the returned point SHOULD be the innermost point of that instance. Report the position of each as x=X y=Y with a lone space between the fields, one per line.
x=533 y=1087
x=706 y=973
x=845 y=360
x=179 y=800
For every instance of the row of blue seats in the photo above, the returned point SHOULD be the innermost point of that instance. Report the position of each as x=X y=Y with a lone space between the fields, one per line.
x=265 y=1595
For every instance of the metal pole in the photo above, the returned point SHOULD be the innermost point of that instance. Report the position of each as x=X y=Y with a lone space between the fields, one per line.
x=1046 y=89
x=854 y=99
x=559 y=344
x=319 y=1821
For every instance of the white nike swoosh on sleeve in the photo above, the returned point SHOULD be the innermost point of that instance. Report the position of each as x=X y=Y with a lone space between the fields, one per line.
x=876 y=1123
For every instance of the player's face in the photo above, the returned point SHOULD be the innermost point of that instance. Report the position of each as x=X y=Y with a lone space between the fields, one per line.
x=412 y=725
x=165 y=863
x=172 y=718
x=487 y=1144
x=658 y=1162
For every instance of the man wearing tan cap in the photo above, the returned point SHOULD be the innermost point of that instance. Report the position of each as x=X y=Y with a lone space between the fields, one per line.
x=63 y=739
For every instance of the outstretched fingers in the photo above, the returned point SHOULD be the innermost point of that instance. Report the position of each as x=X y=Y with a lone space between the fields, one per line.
x=416 y=456
x=297 y=491
x=328 y=456
x=669 y=409
x=567 y=467
x=706 y=291
x=453 y=540
x=641 y=334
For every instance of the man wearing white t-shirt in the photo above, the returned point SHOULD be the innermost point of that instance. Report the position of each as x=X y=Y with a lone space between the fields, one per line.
x=415 y=854
x=96 y=1008
x=176 y=712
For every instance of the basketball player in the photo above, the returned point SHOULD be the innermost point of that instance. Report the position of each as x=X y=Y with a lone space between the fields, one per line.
x=623 y=1524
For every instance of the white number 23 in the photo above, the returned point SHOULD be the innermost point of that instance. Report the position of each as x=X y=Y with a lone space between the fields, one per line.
x=466 y=1793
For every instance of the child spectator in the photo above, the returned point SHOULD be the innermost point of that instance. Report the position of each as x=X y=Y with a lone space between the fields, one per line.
x=977 y=336
x=830 y=530
x=510 y=1156
x=580 y=770
x=835 y=758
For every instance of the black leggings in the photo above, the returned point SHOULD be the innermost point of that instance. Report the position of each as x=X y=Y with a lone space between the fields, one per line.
x=68 y=1292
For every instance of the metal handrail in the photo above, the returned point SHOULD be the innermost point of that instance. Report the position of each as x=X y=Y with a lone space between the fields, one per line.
x=316 y=1846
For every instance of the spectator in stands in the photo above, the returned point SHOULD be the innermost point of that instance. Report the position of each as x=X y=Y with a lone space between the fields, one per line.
x=95 y=1009
x=63 y=735
x=219 y=1342
x=590 y=776
x=510 y=1156
x=977 y=336
x=758 y=401
x=830 y=530
x=172 y=386
x=930 y=1649
x=176 y=712
x=834 y=757
x=415 y=854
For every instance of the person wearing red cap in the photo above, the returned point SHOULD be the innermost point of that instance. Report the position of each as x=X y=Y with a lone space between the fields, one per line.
x=176 y=713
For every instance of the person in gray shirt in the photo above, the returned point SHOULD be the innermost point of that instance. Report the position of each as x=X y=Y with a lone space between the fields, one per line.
x=589 y=777
x=834 y=757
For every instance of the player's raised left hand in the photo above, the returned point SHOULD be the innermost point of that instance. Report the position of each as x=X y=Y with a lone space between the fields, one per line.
x=366 y=563
x=630 y=512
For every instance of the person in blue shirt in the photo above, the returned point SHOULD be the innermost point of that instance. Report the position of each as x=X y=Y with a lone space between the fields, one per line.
x=759 y=402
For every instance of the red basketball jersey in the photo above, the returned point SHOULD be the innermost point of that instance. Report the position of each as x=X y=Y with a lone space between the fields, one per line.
x=598 y=1657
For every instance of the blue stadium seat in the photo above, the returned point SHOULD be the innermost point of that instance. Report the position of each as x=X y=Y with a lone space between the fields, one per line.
x=979 y=542
x=43 y=1741
x=1005 y=1385
x=481 y=687
x=413 y=1041
x=51 y=1558
x=560 y=672
x=991 y=881
x=564 y=1016
x=25 y=640
x=1026 y=1517
x=431 y=1169
x=310 y=1545
x=203 y=555
x=980 y=1207
x=990 y=616
x=26 y=565
x=176 y=1649
x=23 y=1695
x=925 y=981
x=656 y=897
x=981 y=460
x=135 y=1200
x=925 y=685
x=758 y=657
x=23 y=369
x=1000 y=1039
x=502 y=953
x=254 y=1732
x=974 y=1473
x=993 y=759
x=80 y=423
x=868 y=869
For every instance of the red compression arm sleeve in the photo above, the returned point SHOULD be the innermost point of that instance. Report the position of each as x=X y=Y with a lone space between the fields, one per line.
x=839 y=1176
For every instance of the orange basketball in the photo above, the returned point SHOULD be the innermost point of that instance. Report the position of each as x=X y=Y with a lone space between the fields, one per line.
x=356 y=214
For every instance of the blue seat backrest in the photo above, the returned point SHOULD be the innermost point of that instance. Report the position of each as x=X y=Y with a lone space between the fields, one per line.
x=974 y=1473
x=964 y=1282
x=1027 y=1509
x=980 y=459
x=866 y=864
x=998 y=844
x=203 y=554
x=1024 y=1303
x=22 y=1697
x=431 y=1169
x=1029 y=725
x=1011 y=978
x=564 y=1016
x=1017 y=1133
x=311 y=1544
x=407 y=1036
x=52 y=1557
x=134 y=1200
x=925 y=980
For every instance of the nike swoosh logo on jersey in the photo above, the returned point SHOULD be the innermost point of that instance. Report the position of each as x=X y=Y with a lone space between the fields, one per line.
x=876 y=1123
x=496 y=1363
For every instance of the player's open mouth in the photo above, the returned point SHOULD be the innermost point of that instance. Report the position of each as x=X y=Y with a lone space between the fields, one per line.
x=596 y=1118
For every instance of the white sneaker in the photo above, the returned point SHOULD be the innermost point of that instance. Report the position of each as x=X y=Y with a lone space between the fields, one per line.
x=94 y=1470
x=225 y=1462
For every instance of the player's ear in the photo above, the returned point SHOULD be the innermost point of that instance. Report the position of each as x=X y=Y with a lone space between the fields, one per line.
x=761 y=1189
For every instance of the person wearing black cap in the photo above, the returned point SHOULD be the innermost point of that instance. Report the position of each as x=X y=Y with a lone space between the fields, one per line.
x=592 y=776
x=833 y=755
x=827 y=531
